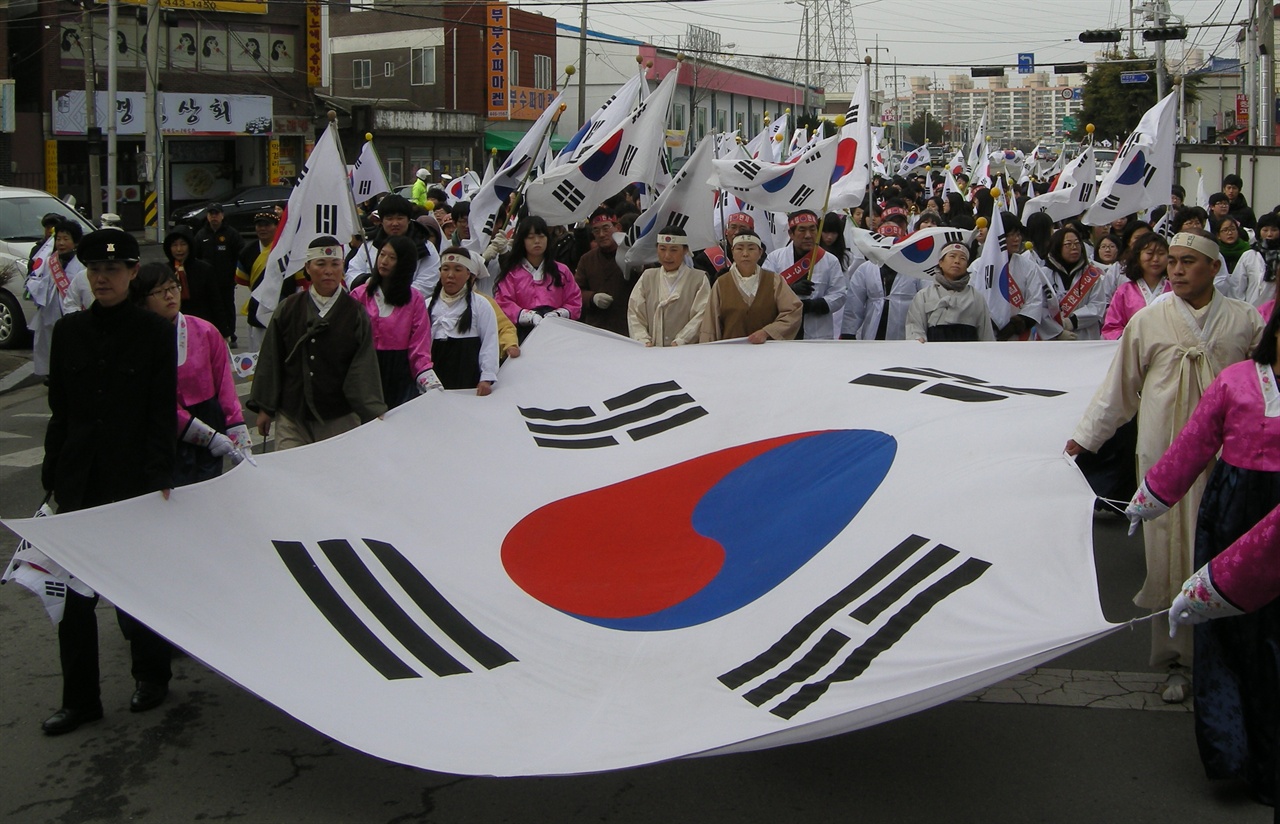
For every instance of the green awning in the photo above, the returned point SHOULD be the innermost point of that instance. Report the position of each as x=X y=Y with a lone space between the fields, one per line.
x=504 y=140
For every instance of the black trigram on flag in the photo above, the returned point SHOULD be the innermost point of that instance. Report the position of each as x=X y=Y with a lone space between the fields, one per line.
x=365 y=187
x=628 y=157
x=947 y=385
x=326 y=218
x=641 y=413
x=1110 y=202
x=1147 y=175
x=812 y=156
x=851 y=116
x=569 y=195
x=802 y=194
x=408 y=613
x=747 y=168
x=797 y=670
x=55 y=589
x=677 y=219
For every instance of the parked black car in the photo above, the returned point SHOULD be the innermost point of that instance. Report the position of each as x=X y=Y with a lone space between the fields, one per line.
x=239 y=207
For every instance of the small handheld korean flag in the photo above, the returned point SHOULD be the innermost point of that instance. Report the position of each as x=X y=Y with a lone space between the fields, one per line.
x=320 y=204
x=367 y=178
x=914 y=159
x=990 y=273
x=854 y=151
x=1142 y=175
x=978 y=149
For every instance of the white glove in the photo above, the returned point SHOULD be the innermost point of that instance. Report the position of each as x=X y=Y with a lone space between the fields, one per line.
x=560 y=313
x=1067 y=334
x=198 y=433
x=528 y=317
x=497 y=246
x=1143 y=507
x=239 y=435
x=602 y=300
x=1198 y=602
x=427 y=381
x=221 y=445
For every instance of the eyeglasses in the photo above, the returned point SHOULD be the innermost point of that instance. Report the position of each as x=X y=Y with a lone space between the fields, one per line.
x=165 y=291
x=1070 y=244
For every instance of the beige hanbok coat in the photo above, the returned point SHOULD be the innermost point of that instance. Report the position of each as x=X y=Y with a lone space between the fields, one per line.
x=666 y=309
x=1168 y=356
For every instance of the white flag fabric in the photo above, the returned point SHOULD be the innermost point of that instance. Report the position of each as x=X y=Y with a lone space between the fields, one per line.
x=626 y=155
x=47 y=580
x=601 y=123
x=686 y=203
x=669 y=576
x=1142 y=175
x=320 y=204
x=950 y=184
x=1202 y=194
x=914 y=159
x=766 y=146
x=463 y=187
x=800 y=141
x=850 y=188
x=367 y=178
x=916 y=254
x=528 y=154
x=990 y=273
x=489 y=171
x=799 y=183
x=1073 y=192
x=978 y=148
x=956 y=166
x=879 y=165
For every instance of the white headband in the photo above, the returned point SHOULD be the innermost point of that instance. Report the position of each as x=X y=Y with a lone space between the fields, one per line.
x=328 y=252
x=1202 y=245
x=673 y=240
x=955 y=247
x=468 y=261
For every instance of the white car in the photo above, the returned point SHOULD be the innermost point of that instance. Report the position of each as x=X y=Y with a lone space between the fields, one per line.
x=1104 y=158
x=20 y=213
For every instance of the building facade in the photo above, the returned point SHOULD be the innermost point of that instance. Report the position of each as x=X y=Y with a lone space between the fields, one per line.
x=1015 y=114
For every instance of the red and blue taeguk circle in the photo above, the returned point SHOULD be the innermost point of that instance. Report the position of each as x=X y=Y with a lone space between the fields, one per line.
x=692 y=542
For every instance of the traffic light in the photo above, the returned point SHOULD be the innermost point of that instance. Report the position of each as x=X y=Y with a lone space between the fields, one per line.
x=1071 y=68
x=1165 y=33
x=986 y=71
x=1100 y=36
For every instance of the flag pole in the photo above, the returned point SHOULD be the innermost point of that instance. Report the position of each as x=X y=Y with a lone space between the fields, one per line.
x=826 y=199
x=528 y=175
x=368 y=137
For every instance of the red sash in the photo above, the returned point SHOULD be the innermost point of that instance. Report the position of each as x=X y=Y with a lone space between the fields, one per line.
x=60 y=278
x=1075 y=295
x=715 y=255
x=800 y=268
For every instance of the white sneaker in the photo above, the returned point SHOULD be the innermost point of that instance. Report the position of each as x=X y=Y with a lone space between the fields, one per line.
x=1176 y=688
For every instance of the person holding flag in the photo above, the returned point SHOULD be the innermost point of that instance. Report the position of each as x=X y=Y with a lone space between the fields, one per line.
x=606 y=289
x=54 y=267
x=251 y=266
x=396 y=216
x=317 y=374
x=949 y=309
x=750 y=302
x=1167 y=358
x=1077 y=287
x=532 y=283
x=669 y=301
x=815 y=276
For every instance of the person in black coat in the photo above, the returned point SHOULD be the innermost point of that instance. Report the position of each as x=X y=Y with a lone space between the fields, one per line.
x=111 y=436
x=219 y=245
x=200 y=294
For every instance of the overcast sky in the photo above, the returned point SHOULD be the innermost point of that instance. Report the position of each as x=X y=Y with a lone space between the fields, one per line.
x=956 y=33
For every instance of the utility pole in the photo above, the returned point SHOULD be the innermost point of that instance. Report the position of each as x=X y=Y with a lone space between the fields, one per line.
x=808 y=40
x=153 y=159
x=582 y=67
x=113 y=29
x=1266 y=73
x=92 y=132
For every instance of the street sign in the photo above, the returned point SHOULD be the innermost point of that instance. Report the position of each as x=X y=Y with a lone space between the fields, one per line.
x=1069 y=123
x=1242 y=110
x=1026 y=63
x=1077 y=94
x=1134 y=77
x=1065 y=94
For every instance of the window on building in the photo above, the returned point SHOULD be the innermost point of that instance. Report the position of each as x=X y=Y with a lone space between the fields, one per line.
x=513 y=68
x=677 y=117
x=543 y=78
x=361 y=74
x=722 y=120
x=422 y=67
x=757 y=123
x=702 y=123
x=361 y=5
x=388 y=69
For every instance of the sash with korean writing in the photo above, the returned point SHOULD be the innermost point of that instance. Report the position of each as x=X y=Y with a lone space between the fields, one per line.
x=801 y=267
x=1076 y=294
x=59 y=274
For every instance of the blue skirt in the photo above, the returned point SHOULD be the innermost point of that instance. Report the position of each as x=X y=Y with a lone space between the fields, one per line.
x=1237 y=660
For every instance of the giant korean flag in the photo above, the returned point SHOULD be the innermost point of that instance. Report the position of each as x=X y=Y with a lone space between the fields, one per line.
x=625 y=555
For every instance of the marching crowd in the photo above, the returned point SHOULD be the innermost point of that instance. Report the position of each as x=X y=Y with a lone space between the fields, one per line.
x=367 y=325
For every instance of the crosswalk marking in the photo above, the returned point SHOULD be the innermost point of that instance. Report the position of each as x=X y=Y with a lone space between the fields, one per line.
x=24 y=459
x=32 y=414
x=5 y=435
